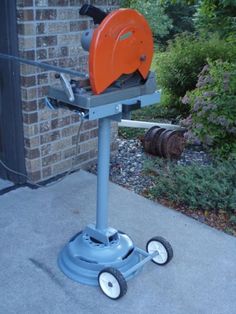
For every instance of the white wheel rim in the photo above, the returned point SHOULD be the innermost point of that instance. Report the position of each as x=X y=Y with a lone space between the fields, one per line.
x=109 y=285
x=155 y=246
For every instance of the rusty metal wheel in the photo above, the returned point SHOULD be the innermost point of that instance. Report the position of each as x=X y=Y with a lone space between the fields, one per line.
x=172 y=144
x=164 y=143
x=155 y=140
x=147 y=143
x=159 y=143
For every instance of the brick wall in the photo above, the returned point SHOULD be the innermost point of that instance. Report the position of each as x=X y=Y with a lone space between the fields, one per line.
x=49 y=31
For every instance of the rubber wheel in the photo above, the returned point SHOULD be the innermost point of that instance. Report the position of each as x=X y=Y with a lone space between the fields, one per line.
x=164 y=249
x=112 y=283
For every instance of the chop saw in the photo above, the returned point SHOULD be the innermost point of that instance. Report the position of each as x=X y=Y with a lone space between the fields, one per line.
x=120 y=47
x=120 y=55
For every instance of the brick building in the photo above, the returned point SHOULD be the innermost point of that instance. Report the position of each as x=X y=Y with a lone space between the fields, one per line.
x=33 y=139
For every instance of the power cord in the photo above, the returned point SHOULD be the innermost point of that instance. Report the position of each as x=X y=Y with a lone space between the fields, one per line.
x=82 y=117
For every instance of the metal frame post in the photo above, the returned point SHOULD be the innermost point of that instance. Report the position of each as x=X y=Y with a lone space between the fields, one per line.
x=104 y=132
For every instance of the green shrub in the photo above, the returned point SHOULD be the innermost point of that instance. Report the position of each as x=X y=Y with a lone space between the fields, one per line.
x=211 y=187
x=216 y=16
x=131 y=133
x=166 y=18
x=213 y=108
x=154 y=12
x=181 y=14
x=178 y=67
x=150 y=113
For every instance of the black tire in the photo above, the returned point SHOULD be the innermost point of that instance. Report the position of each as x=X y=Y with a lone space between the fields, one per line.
x=115 y=289
x=168 y=254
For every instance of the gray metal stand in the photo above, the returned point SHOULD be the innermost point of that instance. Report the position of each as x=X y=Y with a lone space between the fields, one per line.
x=100 y=246
x=100 y=255
x=103 y=173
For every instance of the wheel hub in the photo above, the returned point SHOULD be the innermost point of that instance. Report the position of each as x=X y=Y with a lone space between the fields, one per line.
x=82 y=258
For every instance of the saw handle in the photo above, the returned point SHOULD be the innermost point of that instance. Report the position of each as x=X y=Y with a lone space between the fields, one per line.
x=66 y=86
x=97 y=14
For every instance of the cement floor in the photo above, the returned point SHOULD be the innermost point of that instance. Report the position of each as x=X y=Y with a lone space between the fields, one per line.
x=5 y=184
x=35 y=225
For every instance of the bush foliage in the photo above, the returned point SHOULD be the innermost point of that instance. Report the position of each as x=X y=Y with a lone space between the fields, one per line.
x=178 y=67
x=165 y=17
x=216 y=16
x=181 y=15
x=211 y=187
x=155 y=14
x=213 y=108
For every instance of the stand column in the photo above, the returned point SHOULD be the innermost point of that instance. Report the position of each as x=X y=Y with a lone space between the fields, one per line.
x=104 y=133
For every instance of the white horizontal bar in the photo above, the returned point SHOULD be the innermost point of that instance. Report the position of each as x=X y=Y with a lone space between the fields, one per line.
x=147 y=125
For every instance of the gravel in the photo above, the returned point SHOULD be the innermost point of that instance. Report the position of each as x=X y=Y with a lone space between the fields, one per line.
x=193 y=155
x=127 y=166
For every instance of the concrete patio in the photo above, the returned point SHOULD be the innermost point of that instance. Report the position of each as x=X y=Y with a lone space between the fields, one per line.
x=35 y=224
x=5 y=184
